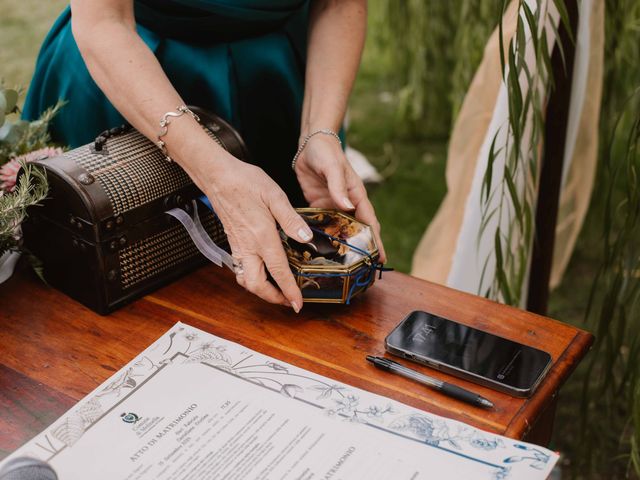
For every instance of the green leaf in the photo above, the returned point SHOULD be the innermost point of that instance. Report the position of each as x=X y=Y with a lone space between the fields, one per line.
x=564 y=16
x=546 y=58
x=533 y=27
x=560 y=47
x=528 y=220
x=489 y=172
x=501 y=37
x=503 y=283
x=487 y=293
x=514 y=196
x=37 y=266
x=521 y=42
x=515 y=96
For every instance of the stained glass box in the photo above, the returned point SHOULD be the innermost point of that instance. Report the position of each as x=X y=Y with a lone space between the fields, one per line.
x=339 y=263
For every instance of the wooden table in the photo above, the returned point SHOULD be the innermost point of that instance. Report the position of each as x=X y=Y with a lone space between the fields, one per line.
x=55 y=351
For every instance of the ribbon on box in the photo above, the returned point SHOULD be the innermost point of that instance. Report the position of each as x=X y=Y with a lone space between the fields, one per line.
x=200 y=237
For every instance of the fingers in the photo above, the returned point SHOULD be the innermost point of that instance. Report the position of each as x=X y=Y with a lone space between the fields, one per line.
x=254 y=276
x=278 y=265
x=364 y=209
x=338 y=180
x=335 y=174
x=292 y=223
x=249 y=210
x=254 y=279
x=366 y=213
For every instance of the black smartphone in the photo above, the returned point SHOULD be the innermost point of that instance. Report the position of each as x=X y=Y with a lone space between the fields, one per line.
x=468 y=353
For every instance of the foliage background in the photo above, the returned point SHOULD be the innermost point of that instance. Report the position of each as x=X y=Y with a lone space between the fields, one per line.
x=419 y=60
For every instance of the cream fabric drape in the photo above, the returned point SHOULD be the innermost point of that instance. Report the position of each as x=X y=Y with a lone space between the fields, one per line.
x=450 y=242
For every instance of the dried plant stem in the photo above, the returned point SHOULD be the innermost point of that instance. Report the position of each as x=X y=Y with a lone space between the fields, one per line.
x=31 y=189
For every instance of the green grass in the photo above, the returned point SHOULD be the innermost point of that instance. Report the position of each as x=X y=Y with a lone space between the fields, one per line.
x=23 y=26
x=409 y=198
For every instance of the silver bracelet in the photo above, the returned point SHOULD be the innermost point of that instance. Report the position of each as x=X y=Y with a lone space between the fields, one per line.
x=164 y=127
x=324 y=131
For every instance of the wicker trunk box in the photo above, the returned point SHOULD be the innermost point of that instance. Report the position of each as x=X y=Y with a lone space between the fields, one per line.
x=103 y=235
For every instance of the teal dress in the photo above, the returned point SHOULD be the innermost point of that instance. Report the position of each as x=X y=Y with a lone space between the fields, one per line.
x=241 y=59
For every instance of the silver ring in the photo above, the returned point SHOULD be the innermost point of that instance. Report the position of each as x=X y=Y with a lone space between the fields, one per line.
x=238 y=268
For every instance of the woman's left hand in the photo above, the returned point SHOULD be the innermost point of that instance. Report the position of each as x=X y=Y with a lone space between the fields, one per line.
x=328 y=181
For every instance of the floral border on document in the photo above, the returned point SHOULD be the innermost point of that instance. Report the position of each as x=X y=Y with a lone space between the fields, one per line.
x=186 y=344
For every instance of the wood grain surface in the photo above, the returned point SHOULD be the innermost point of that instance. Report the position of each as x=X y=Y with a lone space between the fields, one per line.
x=55 y=351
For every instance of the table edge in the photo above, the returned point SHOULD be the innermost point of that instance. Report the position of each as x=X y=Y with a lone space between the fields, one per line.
x=524 y=420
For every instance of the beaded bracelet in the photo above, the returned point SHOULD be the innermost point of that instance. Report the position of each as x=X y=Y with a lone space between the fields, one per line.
x=324 y=131
x=164 y=127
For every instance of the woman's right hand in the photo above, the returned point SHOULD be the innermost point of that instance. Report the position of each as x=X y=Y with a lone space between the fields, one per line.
x=250 y=204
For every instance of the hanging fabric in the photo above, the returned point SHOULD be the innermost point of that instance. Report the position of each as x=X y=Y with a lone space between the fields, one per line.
x=452 y=250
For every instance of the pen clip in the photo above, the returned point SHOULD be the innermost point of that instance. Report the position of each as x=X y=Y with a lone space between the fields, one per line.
x=392 y=362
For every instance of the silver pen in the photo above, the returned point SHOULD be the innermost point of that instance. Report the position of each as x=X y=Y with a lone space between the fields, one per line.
x=444 y=387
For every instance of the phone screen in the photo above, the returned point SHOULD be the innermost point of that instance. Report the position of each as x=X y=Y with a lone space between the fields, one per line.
x=435 y=340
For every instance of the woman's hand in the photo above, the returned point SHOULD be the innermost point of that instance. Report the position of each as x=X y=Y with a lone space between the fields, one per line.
x=328 y=181
x=249 y=203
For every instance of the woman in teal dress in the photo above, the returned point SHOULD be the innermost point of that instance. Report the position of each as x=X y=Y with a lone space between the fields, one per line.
x=280 y=71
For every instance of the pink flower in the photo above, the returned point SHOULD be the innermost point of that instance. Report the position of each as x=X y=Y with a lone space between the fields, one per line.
x=8 y=173
x=9 y=170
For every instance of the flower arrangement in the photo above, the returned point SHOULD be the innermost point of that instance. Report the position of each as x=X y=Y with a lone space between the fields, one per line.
x=20 y=143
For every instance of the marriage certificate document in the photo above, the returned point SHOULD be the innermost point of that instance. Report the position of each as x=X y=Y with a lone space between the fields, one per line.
x=194 y=406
